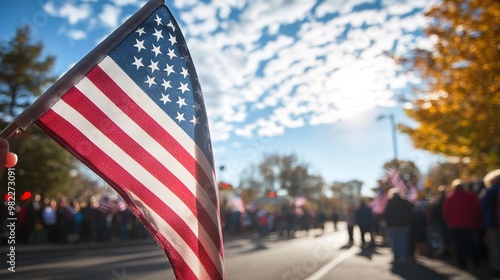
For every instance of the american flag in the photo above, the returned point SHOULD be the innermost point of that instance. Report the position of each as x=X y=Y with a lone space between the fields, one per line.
x=395 y=179
x=133 y=111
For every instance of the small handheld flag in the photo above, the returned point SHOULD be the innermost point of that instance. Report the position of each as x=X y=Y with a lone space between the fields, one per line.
x=132 y=110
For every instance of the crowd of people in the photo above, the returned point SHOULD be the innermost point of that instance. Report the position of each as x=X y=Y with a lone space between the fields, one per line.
x=461 y=221
x=285 y=221
x=51 y=220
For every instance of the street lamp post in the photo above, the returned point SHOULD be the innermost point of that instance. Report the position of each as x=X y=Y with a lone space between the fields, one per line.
x=393 y=129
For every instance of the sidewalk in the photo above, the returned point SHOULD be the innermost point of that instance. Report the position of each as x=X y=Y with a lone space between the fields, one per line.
x=375 y=264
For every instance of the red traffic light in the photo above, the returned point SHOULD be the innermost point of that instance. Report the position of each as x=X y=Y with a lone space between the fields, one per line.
x=272 y=194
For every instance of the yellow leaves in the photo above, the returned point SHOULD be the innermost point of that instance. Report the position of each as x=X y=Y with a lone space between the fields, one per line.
x=459 y=116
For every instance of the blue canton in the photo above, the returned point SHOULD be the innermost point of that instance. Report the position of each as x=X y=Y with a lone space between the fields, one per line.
x=156 y=57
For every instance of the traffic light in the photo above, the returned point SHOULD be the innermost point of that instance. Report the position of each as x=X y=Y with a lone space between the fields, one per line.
x=272 y=194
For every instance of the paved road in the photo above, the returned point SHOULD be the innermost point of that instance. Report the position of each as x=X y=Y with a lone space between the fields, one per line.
x=312 y=257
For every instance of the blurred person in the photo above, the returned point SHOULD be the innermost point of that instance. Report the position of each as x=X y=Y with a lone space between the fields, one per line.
x=351 y=222
x=397 y=215
x=364 y=220
x=77 y=216
x=418 y=232
x=49 y=216
x=335 y=220
x=462 y=214
x=489 y=212
x=64 y=220
x=439 y=235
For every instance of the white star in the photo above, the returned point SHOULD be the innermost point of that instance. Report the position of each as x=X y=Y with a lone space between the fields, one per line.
x=197 y=106
x=169 y=69
x=181 y=102
x=195 y=121
x=183 y=87
x=199 y=92
x=186 y=58
x=166 y=84
x=172 y=39
x=139 y=45
x=150 y=81
x=153 y=66
x=180 y=117
x=165 y=98
x=140 y=31
x=184 y=72
x=158 y=35
x=171 y=25
x=138 y=62
x=156 y=50
x=171 y=54
x=158 y=20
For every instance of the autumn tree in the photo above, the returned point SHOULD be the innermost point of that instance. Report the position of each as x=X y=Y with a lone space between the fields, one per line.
x=457 y=106
x=283 y=172
x=408 y=171
x=24 y=73
x=348 y=192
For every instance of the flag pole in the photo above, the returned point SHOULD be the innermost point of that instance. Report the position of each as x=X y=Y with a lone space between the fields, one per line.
x=9 y=130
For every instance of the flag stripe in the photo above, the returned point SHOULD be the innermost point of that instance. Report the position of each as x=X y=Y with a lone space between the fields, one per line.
x=131 y=183
x=96 y=117
x=130 y=88
x=115 y=93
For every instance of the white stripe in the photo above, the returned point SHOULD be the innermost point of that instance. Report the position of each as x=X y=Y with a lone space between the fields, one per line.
x=173 y=237
x=138 y=172
x=156 y=113
x=147 y=142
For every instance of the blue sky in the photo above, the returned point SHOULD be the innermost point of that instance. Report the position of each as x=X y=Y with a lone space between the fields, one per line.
x=282 y=76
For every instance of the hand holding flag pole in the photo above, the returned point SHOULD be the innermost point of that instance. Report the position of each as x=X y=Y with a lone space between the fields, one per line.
x=132 y=110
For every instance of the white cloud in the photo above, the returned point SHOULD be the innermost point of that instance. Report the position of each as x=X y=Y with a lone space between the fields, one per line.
x=72 y=13
x=76 y=34
x=110 y=15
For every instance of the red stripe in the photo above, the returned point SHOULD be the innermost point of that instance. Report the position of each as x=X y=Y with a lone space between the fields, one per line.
x=121 y=180
x=94 y=115
x=109 y=87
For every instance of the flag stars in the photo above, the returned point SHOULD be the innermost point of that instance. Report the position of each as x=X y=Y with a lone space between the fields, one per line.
x=199 y=92
x=153 y=66
x=165 y=98
x=156 y=50
x=186 y=59
x=172 y=39
x=180 y=117
x=181 y=102
x=150 y=81
x=138 y=62
x=140 y=31
x=158 y=20
x=197 y=106
x=171 y=54
x=139 y=45
x=195 y=121
x=183 y=87
x=171 y=25
x=166 y=84
x=169 y=69
x=158 y=35
x=184 y=72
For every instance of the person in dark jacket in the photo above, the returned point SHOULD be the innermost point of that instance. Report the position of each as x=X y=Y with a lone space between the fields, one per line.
x=489 y=211
x=398 y=213
x=462 y=213
x=364 y=220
